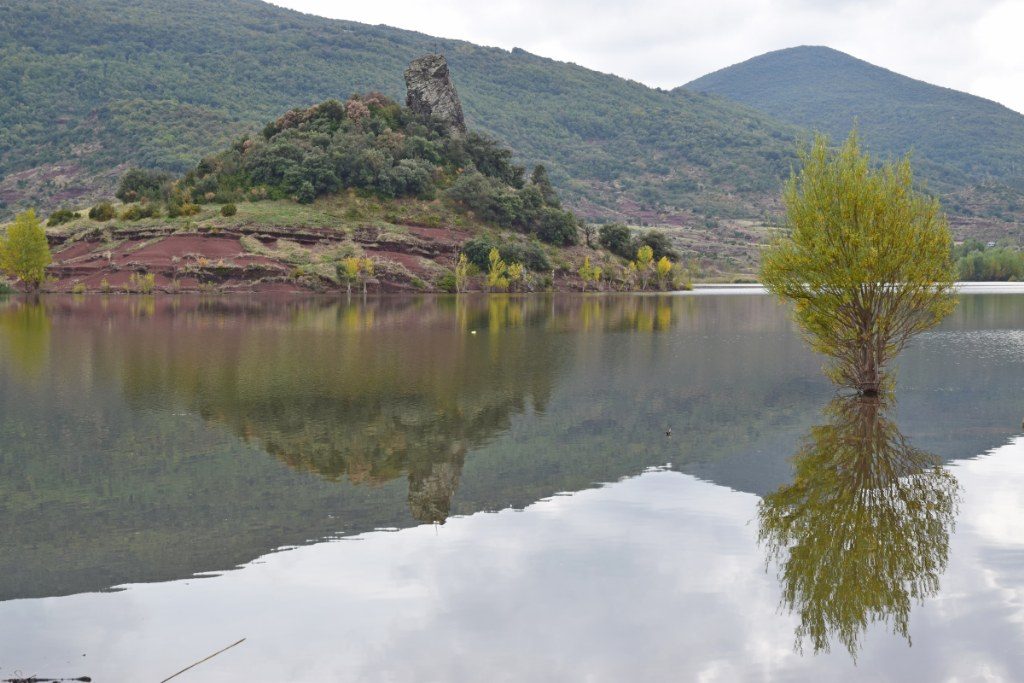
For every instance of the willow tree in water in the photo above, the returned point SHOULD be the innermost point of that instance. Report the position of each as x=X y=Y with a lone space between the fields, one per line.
x=864 y=258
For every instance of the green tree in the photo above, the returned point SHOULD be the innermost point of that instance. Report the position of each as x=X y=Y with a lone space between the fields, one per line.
x=864 y=258
x=24 y=251
x=539 y=178
x=862 y=532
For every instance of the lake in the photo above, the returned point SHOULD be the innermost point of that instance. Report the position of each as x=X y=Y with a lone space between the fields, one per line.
x=472 y=488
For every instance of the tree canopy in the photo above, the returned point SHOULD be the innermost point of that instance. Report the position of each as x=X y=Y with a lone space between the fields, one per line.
x=24 y=251
x=864 y=257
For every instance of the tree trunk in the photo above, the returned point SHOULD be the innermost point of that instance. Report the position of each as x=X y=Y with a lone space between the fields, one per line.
x=869 y=382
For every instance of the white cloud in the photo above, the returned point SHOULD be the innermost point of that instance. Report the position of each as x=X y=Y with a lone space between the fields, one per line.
x=971 y=46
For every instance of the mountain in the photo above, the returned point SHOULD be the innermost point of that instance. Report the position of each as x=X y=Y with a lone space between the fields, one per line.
x=968 y=148
x=90 y=88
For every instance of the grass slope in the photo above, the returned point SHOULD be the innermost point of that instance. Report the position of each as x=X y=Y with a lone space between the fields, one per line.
x=958 y=140
x=89 y=87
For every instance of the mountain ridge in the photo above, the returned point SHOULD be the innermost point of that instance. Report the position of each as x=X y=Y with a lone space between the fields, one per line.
x=135 y=83
x=90 y=90
x=957 y=137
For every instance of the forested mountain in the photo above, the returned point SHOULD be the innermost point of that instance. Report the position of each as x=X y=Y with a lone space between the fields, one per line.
x=964 y=146
x=90 y=88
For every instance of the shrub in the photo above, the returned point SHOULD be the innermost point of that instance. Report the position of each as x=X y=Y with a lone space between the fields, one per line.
x=176 y=209
x=139 y=184
x=104 y=211
x=143 y=283
x=616 y=238
x=558 y=227
x=78 y=288
x=475 y=192
x=61 y=216
x=531 y=254
x=305 y=194
x=139 y=211
x=447 y=282
x=228 y=210
x=659 y=243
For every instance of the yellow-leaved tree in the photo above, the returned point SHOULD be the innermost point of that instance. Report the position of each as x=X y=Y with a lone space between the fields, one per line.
x=348 y=271
x=864 y=257
x=589 y=273
x=497 y=273
x=24 y=251
x=642 y=265
x=663 y=268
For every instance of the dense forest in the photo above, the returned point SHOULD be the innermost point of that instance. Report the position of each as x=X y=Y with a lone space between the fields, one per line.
x=957 y=140
x=90 y=88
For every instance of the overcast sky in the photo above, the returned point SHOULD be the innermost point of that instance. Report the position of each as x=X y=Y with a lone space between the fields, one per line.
x=971 y=45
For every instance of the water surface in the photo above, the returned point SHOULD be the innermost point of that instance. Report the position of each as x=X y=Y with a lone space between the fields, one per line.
x=482 y=488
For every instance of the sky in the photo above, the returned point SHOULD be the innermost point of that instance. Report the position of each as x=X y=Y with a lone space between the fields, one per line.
x=971 y=45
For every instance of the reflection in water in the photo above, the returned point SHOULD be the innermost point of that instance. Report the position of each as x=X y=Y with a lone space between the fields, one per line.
x=146 y=439
x=370 y=393
x=24 y=336
x=374 y=404
x=863 y=530
x=154 y=432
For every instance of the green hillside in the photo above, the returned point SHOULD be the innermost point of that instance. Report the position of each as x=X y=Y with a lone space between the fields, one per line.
x=91 y=87
x=959 y=141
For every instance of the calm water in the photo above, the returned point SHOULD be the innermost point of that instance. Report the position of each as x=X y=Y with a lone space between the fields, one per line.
x=432 y=489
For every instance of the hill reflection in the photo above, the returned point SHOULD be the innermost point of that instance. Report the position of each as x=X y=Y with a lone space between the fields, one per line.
x=147 y=439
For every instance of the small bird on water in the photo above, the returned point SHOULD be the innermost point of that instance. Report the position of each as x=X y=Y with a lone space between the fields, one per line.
x=668 y=432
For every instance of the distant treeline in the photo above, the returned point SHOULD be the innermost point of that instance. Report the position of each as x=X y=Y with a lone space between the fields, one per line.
x=978 y=262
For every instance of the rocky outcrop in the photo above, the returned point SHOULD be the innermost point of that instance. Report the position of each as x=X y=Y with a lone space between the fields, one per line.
x=431 y=91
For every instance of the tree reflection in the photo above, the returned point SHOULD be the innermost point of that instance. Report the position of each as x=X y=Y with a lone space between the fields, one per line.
x=25 y=336
x=862 y=532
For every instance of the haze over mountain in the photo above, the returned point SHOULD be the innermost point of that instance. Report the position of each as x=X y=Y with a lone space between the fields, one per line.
x=958 y=140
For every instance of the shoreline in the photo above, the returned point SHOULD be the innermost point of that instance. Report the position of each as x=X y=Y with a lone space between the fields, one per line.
x=698 y=289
